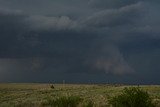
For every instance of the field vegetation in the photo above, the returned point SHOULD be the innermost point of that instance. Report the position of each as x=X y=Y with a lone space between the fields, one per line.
x=69 y=95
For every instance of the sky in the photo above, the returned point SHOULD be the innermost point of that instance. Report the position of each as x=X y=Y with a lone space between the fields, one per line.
x=80 y=41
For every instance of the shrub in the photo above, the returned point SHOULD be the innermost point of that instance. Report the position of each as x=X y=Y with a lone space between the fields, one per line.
x=52 y=87
x=88 y=104
x=65 y=101
x=132 y=97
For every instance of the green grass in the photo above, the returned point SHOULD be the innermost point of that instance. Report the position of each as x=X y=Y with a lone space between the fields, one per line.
x=132 y=97
x=37 y=95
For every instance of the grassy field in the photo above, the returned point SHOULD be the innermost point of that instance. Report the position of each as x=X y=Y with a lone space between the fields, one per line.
x=38 y=95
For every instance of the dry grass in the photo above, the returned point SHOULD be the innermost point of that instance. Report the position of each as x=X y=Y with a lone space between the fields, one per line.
x=34 y=95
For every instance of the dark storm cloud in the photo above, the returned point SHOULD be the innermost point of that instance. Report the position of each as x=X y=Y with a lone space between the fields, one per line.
x=51 y=23
x=116 y=17
x=111 y=3
x=49 y=7
x=56 y=40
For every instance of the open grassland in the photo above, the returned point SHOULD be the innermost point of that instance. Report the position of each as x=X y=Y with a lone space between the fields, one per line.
x=41 y=95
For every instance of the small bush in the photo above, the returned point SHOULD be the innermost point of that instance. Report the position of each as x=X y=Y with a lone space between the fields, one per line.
x=132 y=97
x=69 y=101
x=88 y=104
x=52 y=87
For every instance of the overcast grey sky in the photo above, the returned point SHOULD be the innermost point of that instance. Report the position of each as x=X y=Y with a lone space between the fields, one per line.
x=80 y=41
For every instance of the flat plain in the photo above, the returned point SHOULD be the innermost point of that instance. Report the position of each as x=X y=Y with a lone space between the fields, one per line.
x=36 y=95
